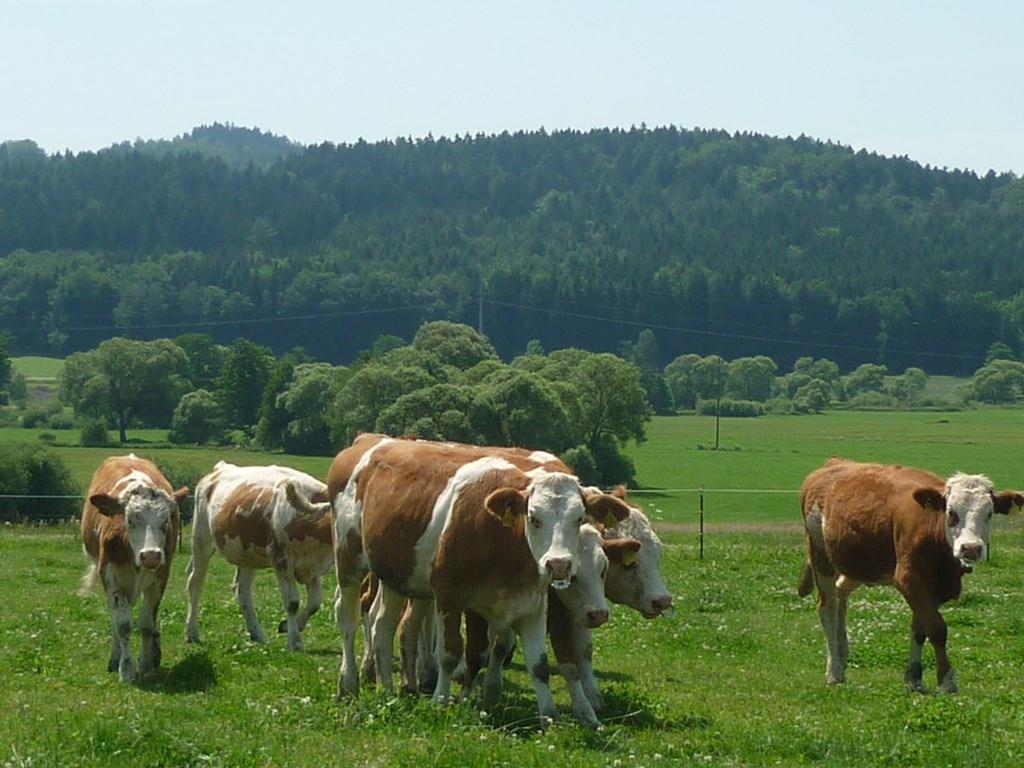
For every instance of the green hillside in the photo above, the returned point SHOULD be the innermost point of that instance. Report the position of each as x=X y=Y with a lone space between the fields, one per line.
x=735 y=244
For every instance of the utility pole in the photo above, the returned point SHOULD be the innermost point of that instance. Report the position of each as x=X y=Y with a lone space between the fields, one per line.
x=480 y=299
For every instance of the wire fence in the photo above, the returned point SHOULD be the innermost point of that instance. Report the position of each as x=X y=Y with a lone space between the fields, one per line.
x=36 y=509
x=41 y=509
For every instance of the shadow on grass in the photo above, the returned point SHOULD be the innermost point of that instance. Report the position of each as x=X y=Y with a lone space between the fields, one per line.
x=623 y=705
x=193 y=674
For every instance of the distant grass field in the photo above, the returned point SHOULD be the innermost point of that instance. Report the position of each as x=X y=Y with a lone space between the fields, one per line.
x=773 y=454
x=35 y=367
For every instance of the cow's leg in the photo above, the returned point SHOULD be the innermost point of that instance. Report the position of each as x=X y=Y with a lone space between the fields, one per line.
x=121 y=619
x=828 y=596
x=585 y=644
x=571 y=643
x=828 y=613
x=413 y=630
x=502 y=641
x=426 y=657
x=149 y=627
x=290 y=600
x=347 y=612
x=844 y=586
x=368 y=669
x=244 y=578
x=198 y=567
x=449 y=652
x=314 y=599
x=935 y=627
x=478 y=647
x=914 y=672
x=385 y=622
x=532 y=628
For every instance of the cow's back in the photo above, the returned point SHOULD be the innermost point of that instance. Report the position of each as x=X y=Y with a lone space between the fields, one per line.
x=248 y=515
x=863 y=506
x=398 y=490
x=480 y=561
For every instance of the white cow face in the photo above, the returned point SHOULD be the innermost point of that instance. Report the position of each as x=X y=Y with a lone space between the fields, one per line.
x=555 y=507
x=147 y=517
x=584 y=597
x=634 y=572
x=968 y=505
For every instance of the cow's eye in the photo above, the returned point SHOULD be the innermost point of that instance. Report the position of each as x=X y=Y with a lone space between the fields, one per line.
x=534 y=521
x=604 y=573
x=954 y=519
x=579 y=522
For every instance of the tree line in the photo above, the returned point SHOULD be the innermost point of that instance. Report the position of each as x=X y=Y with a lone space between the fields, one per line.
x=450 y=384
x=731 y=244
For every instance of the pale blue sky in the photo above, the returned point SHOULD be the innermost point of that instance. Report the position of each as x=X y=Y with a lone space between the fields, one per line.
x=941 y=82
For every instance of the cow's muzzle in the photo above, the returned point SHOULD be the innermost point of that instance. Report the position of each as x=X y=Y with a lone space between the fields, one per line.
x=559 y=570
x=596 y=617
x=971 y=553
x=660 y=605
x=151 y=559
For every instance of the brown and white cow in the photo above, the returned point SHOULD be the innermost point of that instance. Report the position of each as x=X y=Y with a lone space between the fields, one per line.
x=130 y=525
x=633 y=552
x=433 y=521
x=261 y=517
x=877 y=524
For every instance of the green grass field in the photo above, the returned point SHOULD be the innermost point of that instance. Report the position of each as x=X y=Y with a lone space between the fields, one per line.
x=36 y=367
x=736 y=678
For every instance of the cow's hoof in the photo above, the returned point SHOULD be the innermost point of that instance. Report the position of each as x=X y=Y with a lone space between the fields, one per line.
x=127 y=673
x=949 y=683
x=113 y=665
x=917 y=686
x=258 y=637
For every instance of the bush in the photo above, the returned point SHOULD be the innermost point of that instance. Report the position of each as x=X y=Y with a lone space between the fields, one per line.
x=33 y=470
x=196 y=418
x=94 y=433
x=238 y=438
x=61 y=420
x=581 y=461
x=780 y=406
x=34 y=418
x=731 y=408
x=872 y=401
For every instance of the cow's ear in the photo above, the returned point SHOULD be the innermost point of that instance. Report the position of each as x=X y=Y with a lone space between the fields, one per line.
x=605 y=509
x=106 y=505
x=506 y=504
x=619 y=492
x=622 y=551
x=320 y=497
x=929 y=498
x=180 y=495
x=1003 y=502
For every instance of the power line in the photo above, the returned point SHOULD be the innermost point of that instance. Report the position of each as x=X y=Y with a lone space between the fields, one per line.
x=723 y=334
x=244 y=321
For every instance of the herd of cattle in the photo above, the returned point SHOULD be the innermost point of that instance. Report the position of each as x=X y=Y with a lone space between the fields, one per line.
x=428 y=537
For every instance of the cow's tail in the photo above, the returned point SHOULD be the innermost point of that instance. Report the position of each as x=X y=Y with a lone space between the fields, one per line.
x=90 y=580
x=806 y=584
x=302 y=505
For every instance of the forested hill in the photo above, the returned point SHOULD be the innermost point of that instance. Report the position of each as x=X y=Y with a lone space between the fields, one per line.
x=730 y=244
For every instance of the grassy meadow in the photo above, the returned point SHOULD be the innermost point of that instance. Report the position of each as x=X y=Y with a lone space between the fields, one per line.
x=735 y=678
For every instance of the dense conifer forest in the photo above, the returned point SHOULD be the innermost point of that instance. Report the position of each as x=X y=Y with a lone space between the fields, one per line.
x=728 y=244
